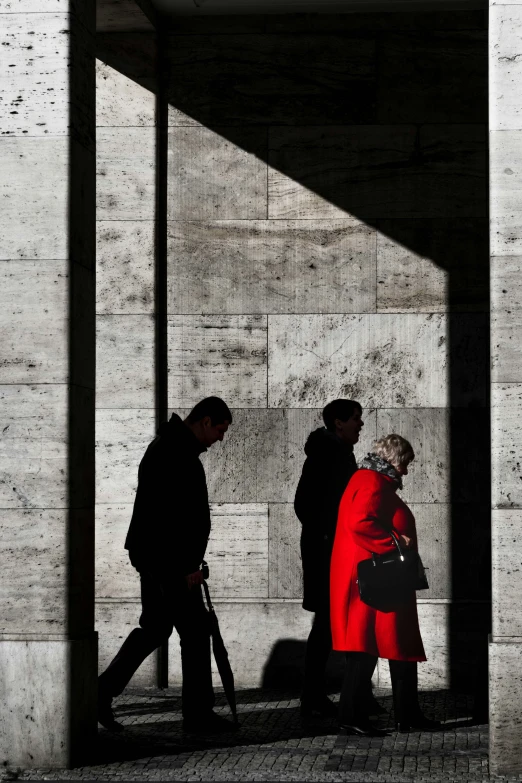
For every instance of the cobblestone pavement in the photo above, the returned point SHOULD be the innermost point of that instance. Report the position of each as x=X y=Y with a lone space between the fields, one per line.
x=274 y=744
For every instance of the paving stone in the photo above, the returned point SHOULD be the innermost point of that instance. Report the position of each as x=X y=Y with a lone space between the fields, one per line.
x=273 y=744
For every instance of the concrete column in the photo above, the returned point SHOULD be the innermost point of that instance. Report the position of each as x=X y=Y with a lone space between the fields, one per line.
x=48 y=648
x=505 y=650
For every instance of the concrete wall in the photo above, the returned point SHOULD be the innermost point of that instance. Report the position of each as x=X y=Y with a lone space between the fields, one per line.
x=47 y=178
x=126 y=414
x=506 y=386
x=327 y=230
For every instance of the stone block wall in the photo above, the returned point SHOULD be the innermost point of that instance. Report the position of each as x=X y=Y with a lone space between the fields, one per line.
x=126 y=416
x=506 y=385
x=327 y=237
x=47 y=181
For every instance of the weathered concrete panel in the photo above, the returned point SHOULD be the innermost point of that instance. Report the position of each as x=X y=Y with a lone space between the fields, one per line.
x=34 y=477
x=33 y=598
x=35 y=321
x=506 y=572
x=278 y=80
x=432 y=265
x=35 y=86
x=125 y=374
x=217 y=355
x=114 y=622
x=375 y=171
x=126 y=173
x=433 y=522
x=34 y=219
x=318 y=357
x=254 y=634
x=434 y=76
x=120 y=101
x=256 y=462
x=261 y=457
x=84 y=10
x=36 y=90
x=237 y=551
x=121 y=439
x=115 y=16
x=505 y=151
x=414 y=21
x=506 y=319
x=506 y=428
x=283 y=266
x=284 y=554
x=505 y=707
x=39 y=466
x=135 y=54
x=217 y=174
x=115 y=576
x=39 y=728
x=505 y=68
x=314 y=358
x=125 y=266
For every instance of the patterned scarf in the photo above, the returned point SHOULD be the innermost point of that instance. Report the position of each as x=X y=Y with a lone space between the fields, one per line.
x=374 y=462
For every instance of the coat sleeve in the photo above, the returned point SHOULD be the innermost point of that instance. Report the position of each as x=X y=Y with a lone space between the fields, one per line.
x=366 y=516
x=308 y=504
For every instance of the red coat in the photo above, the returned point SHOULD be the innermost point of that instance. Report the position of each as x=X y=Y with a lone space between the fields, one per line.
x=369 y=498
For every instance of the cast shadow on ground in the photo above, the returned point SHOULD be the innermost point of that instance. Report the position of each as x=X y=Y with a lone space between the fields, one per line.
x=267 y=717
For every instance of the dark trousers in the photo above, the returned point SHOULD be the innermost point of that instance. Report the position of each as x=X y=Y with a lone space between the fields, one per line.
x=318 y=649
x=357 y=683
x=167 y=604
x=404 y=680
x=357 y=677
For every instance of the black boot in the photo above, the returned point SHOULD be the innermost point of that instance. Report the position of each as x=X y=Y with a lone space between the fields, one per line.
x=105 y=713
x=353 y=717
x=400 y=706
x=408 y=714
x=370 y=704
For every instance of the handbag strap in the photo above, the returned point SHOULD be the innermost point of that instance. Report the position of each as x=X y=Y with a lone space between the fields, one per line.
x=395 y=539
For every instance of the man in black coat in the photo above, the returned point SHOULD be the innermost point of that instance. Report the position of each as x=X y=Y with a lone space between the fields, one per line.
x=166 y=541
x=329 y=465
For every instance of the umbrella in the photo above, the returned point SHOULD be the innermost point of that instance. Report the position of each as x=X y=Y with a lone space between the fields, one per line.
x=221 y=656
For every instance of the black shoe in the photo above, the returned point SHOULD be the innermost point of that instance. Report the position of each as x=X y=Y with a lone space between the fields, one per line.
x=423 y=723
x=208 y=723
x=362 y=729
x=319 y=706
x=106 y=715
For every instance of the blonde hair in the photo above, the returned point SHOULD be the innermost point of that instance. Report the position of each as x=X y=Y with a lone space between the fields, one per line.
x=394 y=449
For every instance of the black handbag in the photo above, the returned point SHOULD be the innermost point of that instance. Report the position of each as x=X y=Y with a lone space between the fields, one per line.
x=390 y=579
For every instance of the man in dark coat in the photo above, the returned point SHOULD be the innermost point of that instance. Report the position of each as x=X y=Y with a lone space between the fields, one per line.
x=166 y=541
x=329 y=465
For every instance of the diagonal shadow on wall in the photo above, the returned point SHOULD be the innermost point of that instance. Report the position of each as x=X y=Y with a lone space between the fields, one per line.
x=382 y=117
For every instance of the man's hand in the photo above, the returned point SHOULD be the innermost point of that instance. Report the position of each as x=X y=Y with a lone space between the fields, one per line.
x=194 y=579
x=405 y=541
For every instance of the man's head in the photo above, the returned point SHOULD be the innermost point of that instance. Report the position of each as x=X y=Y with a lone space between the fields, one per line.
x=209 y=420
x=343 y=417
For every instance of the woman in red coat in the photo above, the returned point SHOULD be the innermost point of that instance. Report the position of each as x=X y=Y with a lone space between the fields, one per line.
x=369 y=509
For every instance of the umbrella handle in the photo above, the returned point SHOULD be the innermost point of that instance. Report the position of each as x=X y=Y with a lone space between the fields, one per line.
x=207 y=596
